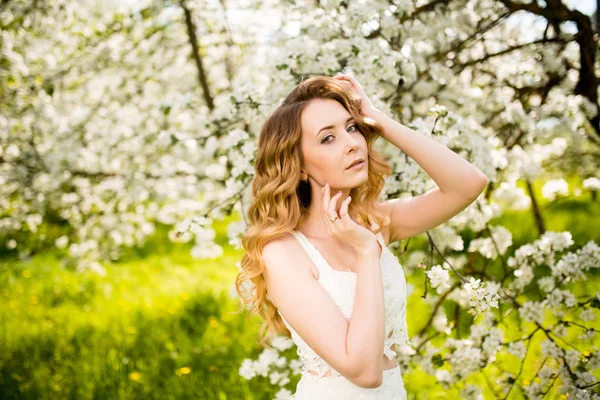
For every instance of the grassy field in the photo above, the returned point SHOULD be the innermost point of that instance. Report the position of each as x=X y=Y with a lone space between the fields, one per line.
x=161 y=325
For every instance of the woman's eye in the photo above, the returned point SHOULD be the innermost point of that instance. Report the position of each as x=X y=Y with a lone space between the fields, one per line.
x=325 y=138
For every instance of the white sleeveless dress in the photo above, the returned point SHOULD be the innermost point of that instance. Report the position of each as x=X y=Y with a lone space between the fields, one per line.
x=341 y=285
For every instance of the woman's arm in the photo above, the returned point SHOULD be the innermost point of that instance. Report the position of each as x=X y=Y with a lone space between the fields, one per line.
x=451 y=172
x=459 y=182
x=366 y=330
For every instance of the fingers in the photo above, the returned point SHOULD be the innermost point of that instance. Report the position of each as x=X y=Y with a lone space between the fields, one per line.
x=349 y=78
x=344 y=207
x=344 y=79
x=329 y=204
x=332 y=206
x=326 y=202
x=343 y=76
x=349 y=85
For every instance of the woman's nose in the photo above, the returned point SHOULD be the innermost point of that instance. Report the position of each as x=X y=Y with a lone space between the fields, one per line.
x=352 y=142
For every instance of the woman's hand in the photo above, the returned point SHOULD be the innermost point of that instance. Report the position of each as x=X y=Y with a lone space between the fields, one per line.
x=343 y=227
x=366 y=107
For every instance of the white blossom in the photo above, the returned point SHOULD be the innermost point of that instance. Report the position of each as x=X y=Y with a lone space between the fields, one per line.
x=517 y=348
x=481 y=296
x=502 y=239
x=592 y=183
x=439 y=278
x=587 y=314
x=440 y=323
x=554 y=188
x=532 y=311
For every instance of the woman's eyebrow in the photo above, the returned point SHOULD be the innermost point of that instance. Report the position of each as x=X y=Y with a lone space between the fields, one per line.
x=333 y=126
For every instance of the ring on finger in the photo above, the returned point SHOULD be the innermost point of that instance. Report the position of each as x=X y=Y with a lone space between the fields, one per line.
x=332 y=219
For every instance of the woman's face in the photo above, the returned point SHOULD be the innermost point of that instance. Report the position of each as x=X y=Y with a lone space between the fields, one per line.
x=330 y=143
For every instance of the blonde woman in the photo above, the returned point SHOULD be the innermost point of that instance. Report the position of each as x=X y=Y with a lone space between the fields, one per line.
x=316 y=250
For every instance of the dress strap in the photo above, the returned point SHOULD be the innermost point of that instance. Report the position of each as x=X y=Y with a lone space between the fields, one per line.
x=316 y=257
x=381 y=240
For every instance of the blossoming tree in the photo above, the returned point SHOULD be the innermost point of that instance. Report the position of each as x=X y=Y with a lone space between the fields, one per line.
x=115 y=121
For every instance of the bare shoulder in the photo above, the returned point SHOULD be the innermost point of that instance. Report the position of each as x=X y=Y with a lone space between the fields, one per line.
x=277 y=254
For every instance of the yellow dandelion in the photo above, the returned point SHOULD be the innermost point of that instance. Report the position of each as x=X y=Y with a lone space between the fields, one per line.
x=526 y=381
x=586 y=353
x=135 y=376
x=27 y=273
x=185 y=296
x=131 y=329
x=34 y=300
x=184 y=370
x=20 y=289
x=213 y=322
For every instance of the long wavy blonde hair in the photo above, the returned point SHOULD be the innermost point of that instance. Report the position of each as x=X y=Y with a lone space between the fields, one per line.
x=280 y=200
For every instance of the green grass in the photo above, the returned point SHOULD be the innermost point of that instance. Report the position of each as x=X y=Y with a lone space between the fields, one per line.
x=162 y=325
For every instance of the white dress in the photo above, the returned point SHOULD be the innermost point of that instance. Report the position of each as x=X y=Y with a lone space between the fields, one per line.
x=341 y=286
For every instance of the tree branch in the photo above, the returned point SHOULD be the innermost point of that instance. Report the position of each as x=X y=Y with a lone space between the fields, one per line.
x=202 y=79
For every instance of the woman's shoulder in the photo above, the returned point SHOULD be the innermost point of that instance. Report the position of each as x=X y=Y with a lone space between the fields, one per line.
x=284 y=241
x=285 y=247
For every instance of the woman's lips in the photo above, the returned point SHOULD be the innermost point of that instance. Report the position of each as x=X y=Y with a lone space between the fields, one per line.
x=357 y=166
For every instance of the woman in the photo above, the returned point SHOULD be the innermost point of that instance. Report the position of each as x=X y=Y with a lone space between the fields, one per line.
x=316 y=247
